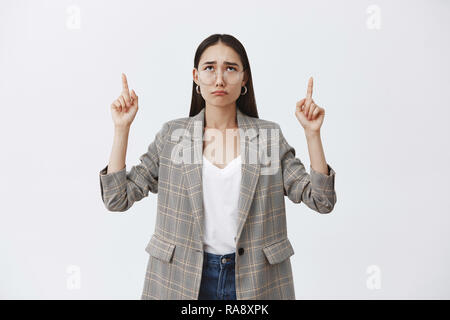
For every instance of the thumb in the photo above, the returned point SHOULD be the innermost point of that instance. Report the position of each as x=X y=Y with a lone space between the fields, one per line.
x=300 y=105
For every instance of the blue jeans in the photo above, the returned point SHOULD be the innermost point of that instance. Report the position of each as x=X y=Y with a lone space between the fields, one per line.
x=218 y=281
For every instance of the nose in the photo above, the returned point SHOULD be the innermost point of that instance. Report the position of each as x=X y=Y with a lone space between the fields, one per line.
x=219 y=78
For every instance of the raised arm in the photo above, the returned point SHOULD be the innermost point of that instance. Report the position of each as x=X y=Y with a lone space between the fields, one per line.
x=120 y=189
x=316 y=189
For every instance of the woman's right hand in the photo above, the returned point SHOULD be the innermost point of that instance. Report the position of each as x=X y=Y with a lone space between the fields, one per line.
x=125 y=107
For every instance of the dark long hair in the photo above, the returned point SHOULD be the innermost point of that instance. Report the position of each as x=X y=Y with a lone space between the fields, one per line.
x=245 y=103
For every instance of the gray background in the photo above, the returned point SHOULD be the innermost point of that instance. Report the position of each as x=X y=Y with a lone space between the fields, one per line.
x=386 y=95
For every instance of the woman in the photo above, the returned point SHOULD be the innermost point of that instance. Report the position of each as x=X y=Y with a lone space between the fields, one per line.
x=220 y=228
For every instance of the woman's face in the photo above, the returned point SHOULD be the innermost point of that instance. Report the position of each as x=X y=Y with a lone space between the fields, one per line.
x=218 y=57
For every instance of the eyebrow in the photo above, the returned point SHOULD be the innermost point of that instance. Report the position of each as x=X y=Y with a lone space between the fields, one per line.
x=225 y=62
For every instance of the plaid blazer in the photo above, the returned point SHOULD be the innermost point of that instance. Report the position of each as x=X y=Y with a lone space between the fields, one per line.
x=174 y=268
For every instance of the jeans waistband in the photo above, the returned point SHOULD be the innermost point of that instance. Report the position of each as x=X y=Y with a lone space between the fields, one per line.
x=223 y=259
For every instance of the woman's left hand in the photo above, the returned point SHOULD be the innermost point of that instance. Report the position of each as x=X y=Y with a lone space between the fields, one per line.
x=309 y=114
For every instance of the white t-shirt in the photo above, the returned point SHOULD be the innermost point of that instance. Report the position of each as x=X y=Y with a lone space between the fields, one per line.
x=220 y=202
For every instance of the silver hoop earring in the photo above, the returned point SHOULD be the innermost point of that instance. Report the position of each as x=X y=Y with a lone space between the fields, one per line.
x=245 y=87
x=196 y=89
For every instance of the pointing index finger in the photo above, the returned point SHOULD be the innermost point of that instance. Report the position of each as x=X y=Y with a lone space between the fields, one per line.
x=124 y=82
x=310 y=88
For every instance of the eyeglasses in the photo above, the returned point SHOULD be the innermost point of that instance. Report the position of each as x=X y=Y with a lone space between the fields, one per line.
x=208 y=76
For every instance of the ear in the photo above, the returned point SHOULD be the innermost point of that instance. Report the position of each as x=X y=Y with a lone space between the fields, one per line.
x=195 y=76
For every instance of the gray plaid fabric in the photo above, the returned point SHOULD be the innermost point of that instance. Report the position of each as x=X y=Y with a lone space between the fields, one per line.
x=174 y=267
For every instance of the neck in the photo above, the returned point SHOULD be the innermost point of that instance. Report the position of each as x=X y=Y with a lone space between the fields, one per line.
x=220 y=117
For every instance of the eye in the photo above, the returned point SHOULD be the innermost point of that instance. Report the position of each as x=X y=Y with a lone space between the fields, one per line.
x=213 y=67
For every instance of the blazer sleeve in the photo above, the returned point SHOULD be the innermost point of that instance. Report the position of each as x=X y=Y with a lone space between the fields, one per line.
x=120 y=189
x=316 y=190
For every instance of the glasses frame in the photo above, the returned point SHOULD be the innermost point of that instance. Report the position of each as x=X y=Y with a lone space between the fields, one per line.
x=215 y=76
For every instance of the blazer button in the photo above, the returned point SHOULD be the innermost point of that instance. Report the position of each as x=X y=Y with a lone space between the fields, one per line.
x=241 y=251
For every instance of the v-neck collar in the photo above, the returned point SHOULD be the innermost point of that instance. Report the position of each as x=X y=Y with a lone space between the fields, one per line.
x=230 y=164
x=250 y=169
